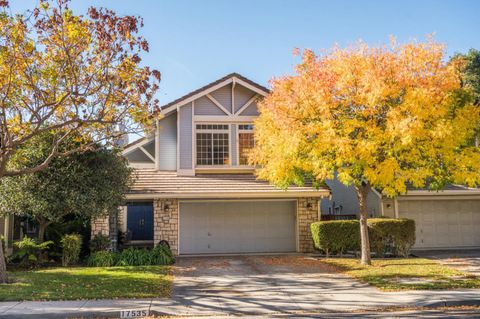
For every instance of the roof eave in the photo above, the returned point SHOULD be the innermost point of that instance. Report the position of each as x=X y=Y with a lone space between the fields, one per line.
x=272 y=194
x=442 y=193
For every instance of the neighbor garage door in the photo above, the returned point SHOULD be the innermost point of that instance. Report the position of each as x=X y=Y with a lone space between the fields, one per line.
x=237 y=227
x=444 y=223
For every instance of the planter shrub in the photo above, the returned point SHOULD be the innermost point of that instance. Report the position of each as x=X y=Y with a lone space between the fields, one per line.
x=336 y=236
x=386 y=235
x=99 y=243
x=29 y=251
x=71 y=247
x=102 y=259
x=159 y=255
x=133 y=257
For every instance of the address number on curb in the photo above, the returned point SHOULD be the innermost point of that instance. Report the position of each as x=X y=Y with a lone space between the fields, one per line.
x=134 y=313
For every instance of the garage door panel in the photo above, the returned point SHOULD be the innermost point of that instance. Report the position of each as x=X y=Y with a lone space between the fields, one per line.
x=444 y=223
x=237 y=227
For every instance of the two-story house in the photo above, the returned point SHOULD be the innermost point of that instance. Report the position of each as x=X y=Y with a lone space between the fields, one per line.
x=195 y=189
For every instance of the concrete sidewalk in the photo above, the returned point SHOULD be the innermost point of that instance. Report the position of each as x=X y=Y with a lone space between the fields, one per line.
x=211 y=306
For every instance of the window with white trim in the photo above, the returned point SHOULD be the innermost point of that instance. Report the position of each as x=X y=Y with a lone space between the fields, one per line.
x=245 y=142
x=212 y=142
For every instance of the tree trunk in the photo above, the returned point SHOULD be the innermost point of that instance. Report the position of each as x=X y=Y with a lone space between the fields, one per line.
x=41 y=232
x=3 y=266
x=42 y=227
x=362 y=192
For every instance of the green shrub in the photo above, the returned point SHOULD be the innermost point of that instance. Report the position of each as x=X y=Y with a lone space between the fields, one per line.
x=160 y=255
x=133 y=257
x=71 y=247
x=99 y=243
x=336 y=236
x=29 y=251
x=396 y=236
x=102 y=259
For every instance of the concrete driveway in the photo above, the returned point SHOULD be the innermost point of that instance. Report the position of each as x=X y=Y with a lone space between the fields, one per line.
x=464 y=260
x=280 y=284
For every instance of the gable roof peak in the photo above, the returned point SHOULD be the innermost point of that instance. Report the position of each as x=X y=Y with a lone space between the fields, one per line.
x=213 y=85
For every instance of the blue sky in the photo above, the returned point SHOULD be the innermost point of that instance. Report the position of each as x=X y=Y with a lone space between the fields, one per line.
x=193 y=43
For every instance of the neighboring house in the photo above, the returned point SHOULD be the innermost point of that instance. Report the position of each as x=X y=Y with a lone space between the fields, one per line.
x=445 y=219
x=343 y=204
x=195 y=189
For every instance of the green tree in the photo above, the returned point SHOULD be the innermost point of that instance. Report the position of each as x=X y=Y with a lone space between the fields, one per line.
x=470 y=71
x=86 y=185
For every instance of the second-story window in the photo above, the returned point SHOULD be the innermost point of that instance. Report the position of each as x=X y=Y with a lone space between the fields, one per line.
x=212 y=144
x=245 y=142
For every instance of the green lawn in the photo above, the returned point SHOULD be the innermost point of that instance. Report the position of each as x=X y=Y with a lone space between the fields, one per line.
x=405 y=274
x=88 y=283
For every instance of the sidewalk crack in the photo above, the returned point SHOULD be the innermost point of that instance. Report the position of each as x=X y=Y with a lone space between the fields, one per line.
x=8 y=309
x=83 y=304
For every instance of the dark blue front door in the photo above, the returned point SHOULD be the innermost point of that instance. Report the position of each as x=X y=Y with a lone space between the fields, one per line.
x=140 y=220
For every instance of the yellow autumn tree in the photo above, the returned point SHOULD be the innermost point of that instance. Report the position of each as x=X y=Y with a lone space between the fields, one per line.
x=69 y=76
x=382 y=117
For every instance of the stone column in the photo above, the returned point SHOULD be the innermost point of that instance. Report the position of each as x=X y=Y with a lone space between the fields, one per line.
x=100 y=225
x=165 y=222
x=307 y=213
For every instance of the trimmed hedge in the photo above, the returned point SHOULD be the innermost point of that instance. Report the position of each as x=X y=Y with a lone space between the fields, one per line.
x=387 y=235
x=336 y=236
x=396 y=236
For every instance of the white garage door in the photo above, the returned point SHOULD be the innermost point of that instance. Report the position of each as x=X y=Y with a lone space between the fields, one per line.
x=237 y=227
x=444 y=223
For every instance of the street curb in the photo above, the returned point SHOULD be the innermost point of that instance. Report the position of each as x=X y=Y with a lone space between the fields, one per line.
x=116 y=314
x=111 y=314
x=449 y=303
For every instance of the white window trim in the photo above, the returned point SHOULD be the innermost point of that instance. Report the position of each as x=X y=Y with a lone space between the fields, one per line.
x=228 y=131
x=238 y=144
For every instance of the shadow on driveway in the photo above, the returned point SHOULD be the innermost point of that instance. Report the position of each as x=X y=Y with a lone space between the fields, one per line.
x=277 y=285
x=464 y=260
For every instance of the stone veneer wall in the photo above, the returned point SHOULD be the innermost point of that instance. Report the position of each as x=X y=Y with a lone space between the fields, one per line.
x=165 y=222
x=122 y=218
x=100 y=226
x=307 y=213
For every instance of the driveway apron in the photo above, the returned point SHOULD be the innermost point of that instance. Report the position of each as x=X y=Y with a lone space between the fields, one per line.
x=269 y=284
